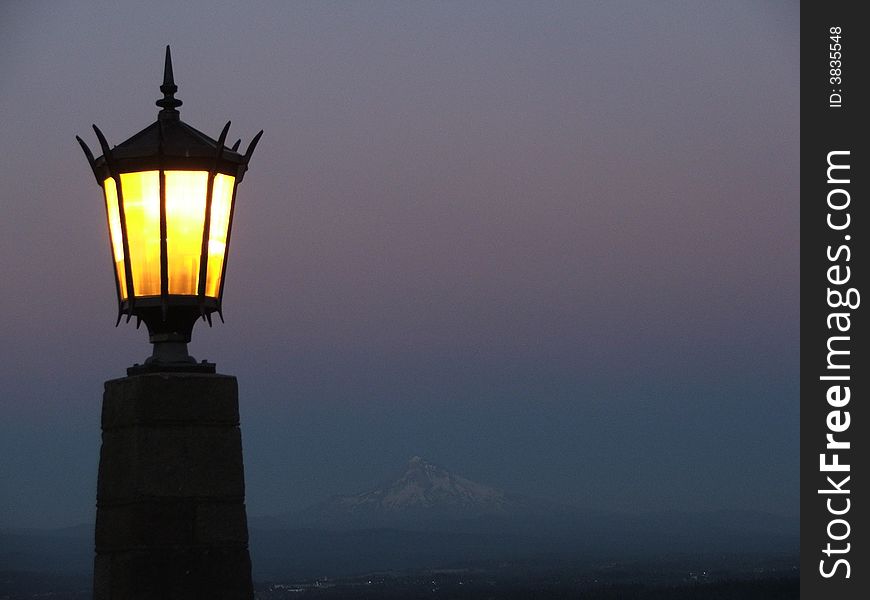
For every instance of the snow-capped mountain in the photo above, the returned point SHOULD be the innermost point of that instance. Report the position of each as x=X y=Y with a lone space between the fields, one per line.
x=423 y=490
x=428 y=516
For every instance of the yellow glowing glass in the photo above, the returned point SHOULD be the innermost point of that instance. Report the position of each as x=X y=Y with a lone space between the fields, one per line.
x=141 y=197
x=185 y=214
x=222 y=196
x=115 y=233
x=185 y=220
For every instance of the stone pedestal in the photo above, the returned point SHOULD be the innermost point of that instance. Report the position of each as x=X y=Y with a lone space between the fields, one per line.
x=171 y=520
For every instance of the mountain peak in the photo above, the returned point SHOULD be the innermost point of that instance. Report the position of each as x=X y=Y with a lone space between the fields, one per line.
x=418 y=464
x=424 y=489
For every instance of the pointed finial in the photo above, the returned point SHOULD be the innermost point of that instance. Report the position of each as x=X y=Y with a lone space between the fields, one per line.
x=169 y=103
x=168 y=79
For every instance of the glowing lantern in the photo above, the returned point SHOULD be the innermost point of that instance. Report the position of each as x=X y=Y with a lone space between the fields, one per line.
x=170 y=193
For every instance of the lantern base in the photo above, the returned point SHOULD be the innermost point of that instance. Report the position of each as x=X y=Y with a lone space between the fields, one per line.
x=169 y=332
x=171 y=357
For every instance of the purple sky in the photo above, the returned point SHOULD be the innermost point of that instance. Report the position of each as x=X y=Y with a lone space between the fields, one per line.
x=551 y=246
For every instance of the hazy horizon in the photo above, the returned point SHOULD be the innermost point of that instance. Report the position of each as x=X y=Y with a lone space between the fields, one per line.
x=379 y=485
x=551 y=246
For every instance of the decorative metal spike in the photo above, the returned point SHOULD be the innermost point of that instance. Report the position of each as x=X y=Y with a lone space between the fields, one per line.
x=169 y=103
x=86 y=150
x=220 y=313
x=138 y=321
x=129 y=316
x=168 y=79
x=120 y=314
x=90 y=156
x=236 y=145
x=247 y=156
x=208 y=318
x=104 y=145
x=251 y=146
x=222 y=138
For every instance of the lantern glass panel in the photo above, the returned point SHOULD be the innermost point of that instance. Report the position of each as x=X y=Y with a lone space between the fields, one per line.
x=141 y=197
x=222 y=197
x=185 y=214
x=114 y=217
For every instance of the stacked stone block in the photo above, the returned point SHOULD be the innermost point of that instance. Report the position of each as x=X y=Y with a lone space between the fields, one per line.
x=171 y=520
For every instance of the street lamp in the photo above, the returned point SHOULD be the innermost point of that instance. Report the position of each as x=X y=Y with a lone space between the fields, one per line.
x=171 y=519
x=170 y=193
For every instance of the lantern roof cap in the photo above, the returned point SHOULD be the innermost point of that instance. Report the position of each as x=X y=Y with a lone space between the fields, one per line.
x=169 y=136
x=172 y=139
x=169 y=143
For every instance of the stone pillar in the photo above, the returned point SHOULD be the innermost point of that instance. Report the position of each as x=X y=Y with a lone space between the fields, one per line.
x=171 y=520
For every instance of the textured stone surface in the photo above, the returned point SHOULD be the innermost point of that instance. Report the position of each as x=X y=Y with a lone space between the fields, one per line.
x=220 y=523
x=171 y=461
x=166 y=398
x=175 y=574
x=171 y=517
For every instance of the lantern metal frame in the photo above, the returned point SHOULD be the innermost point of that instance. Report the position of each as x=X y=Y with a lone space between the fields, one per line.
x=169 y=144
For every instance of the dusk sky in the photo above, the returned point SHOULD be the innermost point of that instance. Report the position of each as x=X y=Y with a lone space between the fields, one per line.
x=551 y=246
